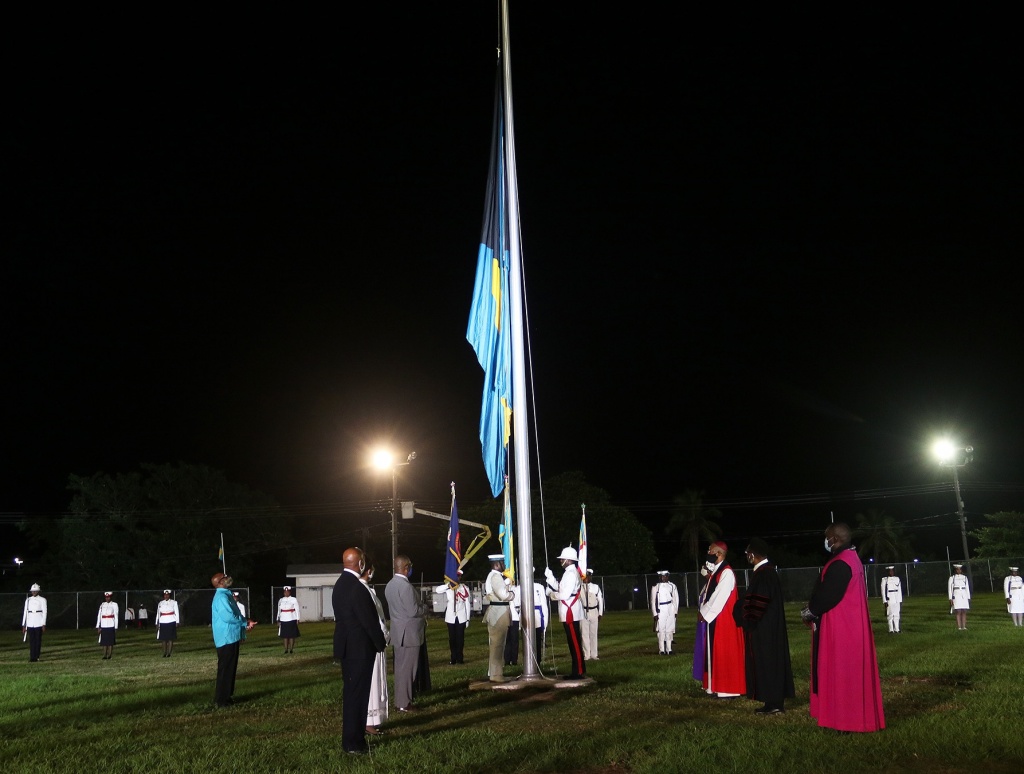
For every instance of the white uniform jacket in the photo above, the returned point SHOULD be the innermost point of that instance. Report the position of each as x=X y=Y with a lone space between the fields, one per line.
x=456 y=603
x=34 y=616
x=959 y=592
x=167 y=612
x=568 y=593
x=593 y=600
x=892 y=589
x=106 y=618
x=288 y=609
x=498 y=596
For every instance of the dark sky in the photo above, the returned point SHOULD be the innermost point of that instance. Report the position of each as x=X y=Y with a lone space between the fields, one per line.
x=764 y=264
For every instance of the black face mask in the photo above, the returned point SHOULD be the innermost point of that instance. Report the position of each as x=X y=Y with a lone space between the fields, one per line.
x=711 y=558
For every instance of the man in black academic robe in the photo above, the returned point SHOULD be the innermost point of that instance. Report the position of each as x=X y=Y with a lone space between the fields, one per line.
x=763 y=618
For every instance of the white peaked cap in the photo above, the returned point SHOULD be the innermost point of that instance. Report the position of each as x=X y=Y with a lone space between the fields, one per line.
x=569 y=553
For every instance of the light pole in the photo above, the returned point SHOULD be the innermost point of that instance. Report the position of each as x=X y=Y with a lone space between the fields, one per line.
x=951 y=455
x=384 y=460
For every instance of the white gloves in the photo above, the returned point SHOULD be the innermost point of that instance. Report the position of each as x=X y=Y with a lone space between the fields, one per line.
x=549 y=575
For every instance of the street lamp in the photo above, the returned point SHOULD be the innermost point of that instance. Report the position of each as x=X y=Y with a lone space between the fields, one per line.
x=953 y=456
x=385 y=460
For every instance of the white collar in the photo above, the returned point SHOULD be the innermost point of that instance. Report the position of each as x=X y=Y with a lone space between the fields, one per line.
x=763 y=561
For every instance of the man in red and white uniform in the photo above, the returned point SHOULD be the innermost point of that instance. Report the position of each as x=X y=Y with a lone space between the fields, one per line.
x=570 y=609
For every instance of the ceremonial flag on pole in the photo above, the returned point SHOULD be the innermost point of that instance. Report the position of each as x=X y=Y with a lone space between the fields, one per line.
x=220 y=555
x=505 y=537
x=453 y=554
x=583 y=543
x=488 y=329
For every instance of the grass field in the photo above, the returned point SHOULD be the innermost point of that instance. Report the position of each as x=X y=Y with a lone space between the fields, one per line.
x=952 y=704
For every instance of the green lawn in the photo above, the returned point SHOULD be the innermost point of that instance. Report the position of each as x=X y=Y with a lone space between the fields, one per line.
x=952 y=704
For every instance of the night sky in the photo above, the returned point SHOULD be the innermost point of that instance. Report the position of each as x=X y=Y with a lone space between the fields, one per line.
x=764 y=265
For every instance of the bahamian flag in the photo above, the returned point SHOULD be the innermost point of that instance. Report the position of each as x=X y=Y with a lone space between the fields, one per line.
x=583 y=558
x=453 y=554
x=505 y=537
x=488 y=329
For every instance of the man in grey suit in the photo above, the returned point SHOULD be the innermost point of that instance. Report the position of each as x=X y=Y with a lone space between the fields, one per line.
x=408 y=629
x=357 y=641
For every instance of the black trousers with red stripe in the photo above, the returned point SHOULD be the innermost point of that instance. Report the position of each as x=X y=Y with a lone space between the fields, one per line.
x=573 y=636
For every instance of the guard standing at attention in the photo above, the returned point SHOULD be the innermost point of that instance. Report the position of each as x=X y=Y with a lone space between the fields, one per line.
x=288 y=619
x=892 y=597
x=33 y=622
x=665 y=608
x=167 y=620
x=106 y=624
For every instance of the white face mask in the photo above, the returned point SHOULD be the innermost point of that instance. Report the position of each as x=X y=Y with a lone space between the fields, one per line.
x=827 y=546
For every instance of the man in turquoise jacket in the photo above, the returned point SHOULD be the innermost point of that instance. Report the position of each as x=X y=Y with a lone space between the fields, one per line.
x=229 y=628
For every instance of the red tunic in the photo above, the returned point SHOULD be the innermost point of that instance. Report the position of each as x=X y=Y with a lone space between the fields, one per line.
x=727 y=667
x=847 y=694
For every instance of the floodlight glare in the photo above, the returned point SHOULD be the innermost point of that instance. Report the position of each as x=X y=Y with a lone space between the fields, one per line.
x=383 y=459
x=943 y=449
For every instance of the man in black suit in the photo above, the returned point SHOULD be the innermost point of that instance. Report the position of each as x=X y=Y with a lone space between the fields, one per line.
x=357 y=641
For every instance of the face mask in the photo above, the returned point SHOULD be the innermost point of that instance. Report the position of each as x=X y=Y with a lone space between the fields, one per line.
x=827 y=546
x=711 y=559
x=408 y=573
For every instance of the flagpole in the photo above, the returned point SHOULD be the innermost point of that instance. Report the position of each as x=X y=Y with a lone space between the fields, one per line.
x=223 y=558
x=520 y=424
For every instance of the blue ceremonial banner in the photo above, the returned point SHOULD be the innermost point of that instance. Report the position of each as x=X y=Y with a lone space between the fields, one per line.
x=488 y=329
x=453 y=554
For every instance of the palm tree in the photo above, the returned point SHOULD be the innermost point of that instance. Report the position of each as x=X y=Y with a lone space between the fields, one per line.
x=694 y=521
x=880 y=537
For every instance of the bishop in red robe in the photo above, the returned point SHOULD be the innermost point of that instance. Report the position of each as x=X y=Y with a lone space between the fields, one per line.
x=724 y=667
